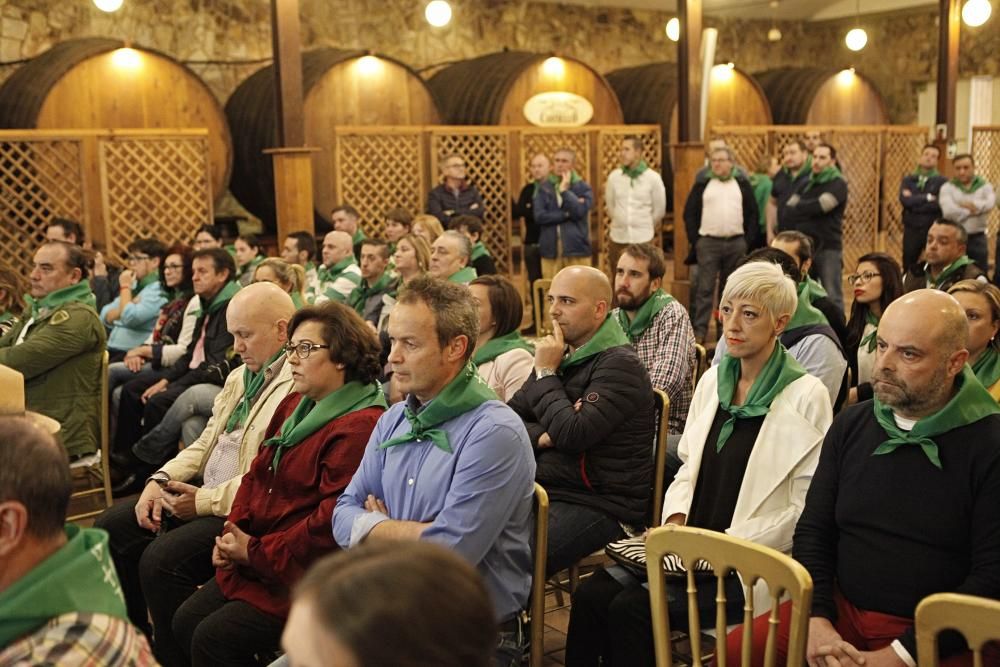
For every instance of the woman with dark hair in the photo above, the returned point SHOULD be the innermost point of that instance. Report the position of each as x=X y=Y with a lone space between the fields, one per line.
x=248 y=256
x=503 y=358
x=877 y=282
x=981 y=303
x=208 y=236
x=12 y=289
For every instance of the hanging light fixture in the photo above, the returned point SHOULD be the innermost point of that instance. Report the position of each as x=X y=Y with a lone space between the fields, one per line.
x=856 y=38
x=673 y=29
x=108 y=5
x=774 y=35
x=976 y=12
x=438 y=13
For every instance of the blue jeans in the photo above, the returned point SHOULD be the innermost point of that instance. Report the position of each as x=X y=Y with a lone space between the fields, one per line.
x=575 y=532
x=119 y=374
x=510 y=646
x=160 y=443
x=830 y=269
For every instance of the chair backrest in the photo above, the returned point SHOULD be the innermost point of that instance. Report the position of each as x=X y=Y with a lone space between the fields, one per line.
x=661 y=408
x=540 y=289
x=978 y=619
x=537 y=602
x=700 y=364
x=753 y=562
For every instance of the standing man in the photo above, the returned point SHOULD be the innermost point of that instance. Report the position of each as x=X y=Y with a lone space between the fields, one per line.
x=345 y=218
x=524 y=210
x=562 y=213
x=376 y=281
x=796 y=166
x=451 y=464
x=657 y=326
x=455 y=195
x=918 y=194
x=967 y=199
x=300 y=248
x=58 y=346
x=812 y=139
x=340 y=273
x=635 y=200
x=450 y=257
x=720 y=216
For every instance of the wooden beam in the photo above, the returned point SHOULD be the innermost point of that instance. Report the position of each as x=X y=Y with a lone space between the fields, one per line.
x=949 y=28
x=689 y=72
x=293 y=190
x=286 y=46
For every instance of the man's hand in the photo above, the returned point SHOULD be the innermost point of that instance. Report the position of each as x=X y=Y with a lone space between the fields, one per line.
x=885 y=657
x=179 y=498
x=970 y=207
x=565 y=182
x=907 y=192
x=154 y=390
x=826 y=648
x=373 y=504
x=134 y=363
x=148 y=509
x=232 y=545
x=549 y=350
x=545 y=441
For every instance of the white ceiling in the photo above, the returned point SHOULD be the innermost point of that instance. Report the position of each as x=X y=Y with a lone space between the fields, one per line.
x=789 y=10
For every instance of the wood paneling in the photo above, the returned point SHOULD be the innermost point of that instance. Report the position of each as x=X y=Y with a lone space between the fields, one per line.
x=576 y=78
x=817 y=96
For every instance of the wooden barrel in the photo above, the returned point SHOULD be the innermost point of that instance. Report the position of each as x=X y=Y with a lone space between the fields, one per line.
x=94 y=83
x=493 y=89
x=340 y=87
x=815 y=96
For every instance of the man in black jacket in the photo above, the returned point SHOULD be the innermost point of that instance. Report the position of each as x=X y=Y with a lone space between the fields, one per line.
x=721 y=219
x=918 y=193
x=588 y=409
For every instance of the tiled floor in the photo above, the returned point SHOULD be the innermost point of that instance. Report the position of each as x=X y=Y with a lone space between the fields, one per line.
x=556 y=624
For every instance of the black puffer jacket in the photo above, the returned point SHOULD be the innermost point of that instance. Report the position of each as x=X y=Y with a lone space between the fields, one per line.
x=603 y=454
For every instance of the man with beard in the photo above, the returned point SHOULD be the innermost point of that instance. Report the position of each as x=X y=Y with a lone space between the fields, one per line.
x=903 y=502
x=796 y=164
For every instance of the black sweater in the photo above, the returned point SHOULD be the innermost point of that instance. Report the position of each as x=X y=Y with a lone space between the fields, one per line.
x=919 y=212
x=889 y=530
x=806 y=214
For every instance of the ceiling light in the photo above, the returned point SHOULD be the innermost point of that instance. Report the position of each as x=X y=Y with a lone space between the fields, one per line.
x=774 y=35
x=115 y=5
x=554 y=66
x=438 y=13
x=674 y=29
x=856 y=39
x=976 y=12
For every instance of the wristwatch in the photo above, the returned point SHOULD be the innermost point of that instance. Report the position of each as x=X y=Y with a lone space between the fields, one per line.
x=544 y=372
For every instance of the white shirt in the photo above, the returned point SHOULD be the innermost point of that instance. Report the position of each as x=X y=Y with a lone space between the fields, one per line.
x=634 y=206
x=721 y=209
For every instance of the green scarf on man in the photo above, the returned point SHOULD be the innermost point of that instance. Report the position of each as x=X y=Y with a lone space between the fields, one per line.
x=923 y=175
x=946 y=273
x=805 y=168
x=463 y=276
x=225 y=294
x=634 y=172
x=494 y=347
x=976 y=183
x=610 y=334
x=551 y=178
x=252 y=384
x=359 y=295
x=327 y=274
x=479 y=250
x=147 y=280
x=645 y=314
x=77 y=293
x=987 y=366
x=825 y=176
x=805 y=313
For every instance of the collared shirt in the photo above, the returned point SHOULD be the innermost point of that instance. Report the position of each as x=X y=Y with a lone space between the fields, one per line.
x=478 y=498
x=722 y=209
x=79 y=638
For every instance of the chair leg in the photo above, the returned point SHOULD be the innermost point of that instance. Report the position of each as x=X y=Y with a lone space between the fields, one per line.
x=574 y=577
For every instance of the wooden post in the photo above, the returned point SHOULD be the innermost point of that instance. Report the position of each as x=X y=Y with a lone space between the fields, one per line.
x=689 y=72
x=949 y=29
x=95 y=212
x=689 y=158
x=293 y=190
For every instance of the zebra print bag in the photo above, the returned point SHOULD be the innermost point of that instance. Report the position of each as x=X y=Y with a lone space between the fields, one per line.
x=630 y=553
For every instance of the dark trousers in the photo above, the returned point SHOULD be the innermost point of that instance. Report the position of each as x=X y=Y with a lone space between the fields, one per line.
x=914 y=241
x=216 y=632
x=159 y=572
x=575 y=532
x=717 y=258
x=611 y=624
x=978 y=251
x=136 y=419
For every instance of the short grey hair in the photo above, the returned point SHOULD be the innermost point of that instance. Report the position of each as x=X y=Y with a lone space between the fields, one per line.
x=567 y=151
x=723 y=149
x=763 y=284
x=464 y=244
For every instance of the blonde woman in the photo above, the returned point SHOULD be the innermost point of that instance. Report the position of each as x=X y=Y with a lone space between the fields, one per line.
x=427 y=227
x=981 y=303
x=289 y=277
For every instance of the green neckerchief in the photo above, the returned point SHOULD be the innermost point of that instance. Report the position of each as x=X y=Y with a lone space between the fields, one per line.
x=252 y=264
x=806 y=167
x=551 y=178
x=977 y=182
x=735 y=171
x=479 y=250
x=656 y=302
x=780 y=371
x=223 y=297
x=987 y=367
x=946 y=272
x=6 y=316
x=813 y=289
x=174 y=293
x=359 y=295
x=297 y=299
x=147 y=280
x=358 y=237
x=825 y=176
x=969 y=404
x=609 y=335
x=252 y=383
x=924 y=174
x=465 y=392
x=464 y=275
x=805 y=313
x=870 y=339
x=327 y=274
x=310 y=416
x=79 y=577
x=636 y=171
x=494 y=347
x=80 y=292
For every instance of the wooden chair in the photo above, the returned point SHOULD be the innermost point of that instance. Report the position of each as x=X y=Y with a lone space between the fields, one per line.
x=539 y=289
x=978 y=619
x=783 y=575
x=537 y=603
x=700 y=364
x=662 y=408
x=97 y=473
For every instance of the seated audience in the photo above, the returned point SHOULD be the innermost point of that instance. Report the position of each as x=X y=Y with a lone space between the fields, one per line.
x=800 y=247
x=451 y=464
x=412 y=259
x=427 y=227
x=434 y=601
x=472 y=228
x=749 y=450
x=455 y=195
x=946 y=262
x=562 y=204
x=345 y=218
x=280 y=518
x=877 y=282
x=339 y=274
x=103 y=276
x=588 y=409
x=450 y=256
x=903 y=502
x=60 y=599
x=376 y=281
x=657 y=325
x=12 y=288
x=132 y=315
x=207 y=236
x=289 y=277
x=249 y=253
x=58 y=346
x=502 y=357
x=981 y=303
x=300 y=248
x=398 y=223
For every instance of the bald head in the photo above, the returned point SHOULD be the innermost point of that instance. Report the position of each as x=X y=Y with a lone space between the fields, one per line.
x=580 y=298
x=932 y=314
x=540 y=167
x=336 y=246
x=258 y=318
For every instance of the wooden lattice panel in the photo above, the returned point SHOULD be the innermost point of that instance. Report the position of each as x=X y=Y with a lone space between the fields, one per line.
x=39 y=180
x=548 y=142
x=609 y=142
x=487 y=154
x=378 y=170
x=154 y=187
x=901 y=148
x=748 y=146
x=986 y=153
x=859 y=153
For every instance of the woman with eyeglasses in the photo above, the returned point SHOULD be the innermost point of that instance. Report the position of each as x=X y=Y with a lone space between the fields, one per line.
x=981 y=303
x=877 y=282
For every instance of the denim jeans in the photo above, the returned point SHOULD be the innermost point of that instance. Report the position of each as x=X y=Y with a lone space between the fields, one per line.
x=511 y=645
x=160 y=443
x=575 y=532
x=829 y=266
x=717 y=258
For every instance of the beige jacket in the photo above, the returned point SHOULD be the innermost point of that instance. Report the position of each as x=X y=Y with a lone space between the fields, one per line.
x=190 y=463
x=507 y=373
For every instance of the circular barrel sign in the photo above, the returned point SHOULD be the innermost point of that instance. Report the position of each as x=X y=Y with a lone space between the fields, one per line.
x=558 y=109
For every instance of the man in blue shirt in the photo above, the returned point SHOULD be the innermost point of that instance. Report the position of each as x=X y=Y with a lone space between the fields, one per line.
x=131 y=316
x=451 y=464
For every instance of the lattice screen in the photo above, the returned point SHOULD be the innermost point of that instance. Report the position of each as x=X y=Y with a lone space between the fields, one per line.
x=986 y=153
x=378 y=171
x=154 y=187
x=859 y=153
x=748 y=147
x=487 y=154
x=901 y=148
x=39 y=180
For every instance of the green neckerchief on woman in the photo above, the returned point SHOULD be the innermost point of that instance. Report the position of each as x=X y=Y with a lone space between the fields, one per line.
x=825 y=176
x=870 y=339
x=610 y=334
x=51 y=302
x=946 y=272
x=987 y=366
x=494 y=347
x=923 y=175
x=644 y=316
x=636 y=171
x=976 y=183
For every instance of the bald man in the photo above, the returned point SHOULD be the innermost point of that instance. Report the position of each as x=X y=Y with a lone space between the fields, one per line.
x=162 y=546
x=588 y=408
x=904 y=500
x=340 y=273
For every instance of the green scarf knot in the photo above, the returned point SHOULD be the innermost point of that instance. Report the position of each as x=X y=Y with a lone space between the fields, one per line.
x=870 y=340
x=609 y=335
x=969 y=404
x=825 y=176
x=780 y=371
x=494 y=347
x=360 y=294
x=987 y=366
x=947 y=272
x=976 y=183
x=465 y=392
x=923 y=175
x=814 y=290
x=51 y=302
x=635 y=172
x=252 y=384
x=644 y=316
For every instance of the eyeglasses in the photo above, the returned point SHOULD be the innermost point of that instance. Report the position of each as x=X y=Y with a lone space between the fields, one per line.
x=456 y=164
x=303 y=349
x=861 y=278
x=173 y=266
x=137 y=258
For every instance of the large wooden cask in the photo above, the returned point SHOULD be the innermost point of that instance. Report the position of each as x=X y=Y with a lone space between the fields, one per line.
x=97 y=83
x=340 y=87
x=816 y=96
x=494 y=89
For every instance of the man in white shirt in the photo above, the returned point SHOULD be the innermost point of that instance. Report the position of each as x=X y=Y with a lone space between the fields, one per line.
x=968 y=199
x=636 y=200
